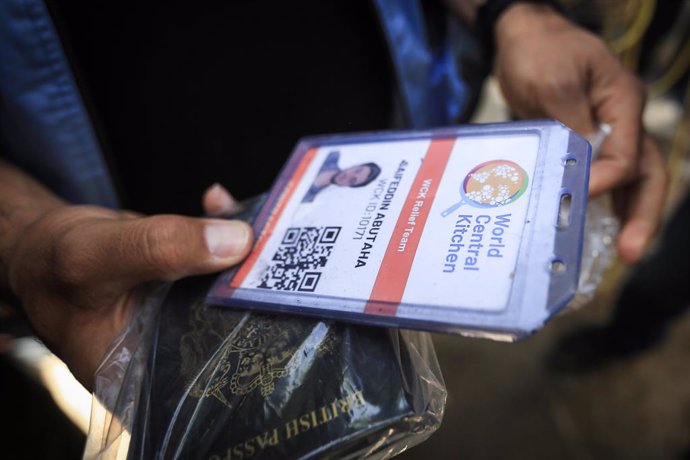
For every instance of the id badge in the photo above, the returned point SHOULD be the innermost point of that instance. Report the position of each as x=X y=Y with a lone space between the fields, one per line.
x=475 y=230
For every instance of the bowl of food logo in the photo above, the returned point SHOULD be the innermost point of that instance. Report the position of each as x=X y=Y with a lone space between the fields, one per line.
x=491 y=184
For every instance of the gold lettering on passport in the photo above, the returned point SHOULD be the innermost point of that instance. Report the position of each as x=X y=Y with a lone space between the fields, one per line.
x=293 y=428
x=323 y=414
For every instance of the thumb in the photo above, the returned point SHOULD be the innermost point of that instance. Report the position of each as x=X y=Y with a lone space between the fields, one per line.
x=172 y=247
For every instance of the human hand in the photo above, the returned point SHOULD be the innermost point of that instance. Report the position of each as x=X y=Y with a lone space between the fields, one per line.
x=549 y=67
x=79 y=270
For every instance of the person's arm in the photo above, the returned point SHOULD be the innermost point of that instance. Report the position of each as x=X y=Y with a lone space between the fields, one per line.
x=548 y=67
x=76 y=270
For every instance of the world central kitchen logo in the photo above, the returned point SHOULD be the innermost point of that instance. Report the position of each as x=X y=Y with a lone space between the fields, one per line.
x=491 y=184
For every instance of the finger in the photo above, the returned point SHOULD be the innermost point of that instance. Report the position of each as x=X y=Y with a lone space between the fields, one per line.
x=172 y=247
x=127 y=214
x=569 y=103
x=217 y=201
x=644 y=206
x=618 y=102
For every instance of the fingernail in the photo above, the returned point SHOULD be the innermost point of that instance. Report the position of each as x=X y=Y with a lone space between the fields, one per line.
x=636 y=241
x=222 y=195
x=219 y=200
x=227 y=239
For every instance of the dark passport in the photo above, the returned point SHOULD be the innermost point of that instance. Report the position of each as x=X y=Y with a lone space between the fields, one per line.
x=234 y=385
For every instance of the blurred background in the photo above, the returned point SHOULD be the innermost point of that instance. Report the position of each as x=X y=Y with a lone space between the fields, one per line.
x=610 y=380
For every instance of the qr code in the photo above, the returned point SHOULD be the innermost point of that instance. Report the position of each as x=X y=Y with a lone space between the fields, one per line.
x=297 y=263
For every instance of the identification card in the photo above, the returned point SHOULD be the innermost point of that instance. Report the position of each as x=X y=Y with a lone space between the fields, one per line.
x=475 y=230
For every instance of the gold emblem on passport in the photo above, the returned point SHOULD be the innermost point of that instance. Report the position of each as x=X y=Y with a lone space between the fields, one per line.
x=254 y=352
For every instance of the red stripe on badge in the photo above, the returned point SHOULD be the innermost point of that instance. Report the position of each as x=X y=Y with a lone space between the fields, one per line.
x=267 y=231
x=395 y=269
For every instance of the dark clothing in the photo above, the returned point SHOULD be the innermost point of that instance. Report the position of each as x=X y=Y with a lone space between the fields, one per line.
x=173 y=85
x=190 y=96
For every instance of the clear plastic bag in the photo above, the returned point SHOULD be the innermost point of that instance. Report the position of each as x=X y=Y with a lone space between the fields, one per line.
x=601 y=229
x=192 y=380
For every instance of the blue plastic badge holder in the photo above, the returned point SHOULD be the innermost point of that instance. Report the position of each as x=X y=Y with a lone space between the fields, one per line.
x=475 y=230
